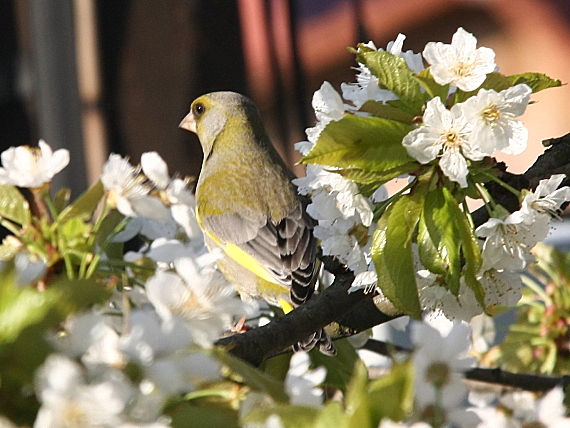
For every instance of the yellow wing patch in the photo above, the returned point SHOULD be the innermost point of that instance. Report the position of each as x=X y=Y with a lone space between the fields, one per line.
x=240 y=256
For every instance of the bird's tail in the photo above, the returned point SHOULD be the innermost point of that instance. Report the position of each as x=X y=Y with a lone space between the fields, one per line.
x=319 y=338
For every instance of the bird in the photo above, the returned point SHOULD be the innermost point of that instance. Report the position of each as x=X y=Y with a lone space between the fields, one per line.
x=247 y=206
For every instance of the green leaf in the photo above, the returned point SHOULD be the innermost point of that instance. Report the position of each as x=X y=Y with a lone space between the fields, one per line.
x=13 y=205
x=75 y=233
x=340 y=368
x=114 y=250
x=61 y=199
x=15 y=313
x=22 y=307
x=377 y=177
x=495 y=81
x=393 y=394
x=433 y=88
x=394 y=74
x=366 y=143
x=189 y=415
x=277 y=367
x=26 y=316
x=357 y=401
x=470 y=247
x=391 y=251
x=332 y=415
x=428 y=252
x=386 y=111
x=536 y=81
x=291 y=416
x=438 y=232
x=253 y=376
x=85 y=205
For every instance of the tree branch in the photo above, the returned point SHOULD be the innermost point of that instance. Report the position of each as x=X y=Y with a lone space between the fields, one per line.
x=261 y=343
x=527 y=382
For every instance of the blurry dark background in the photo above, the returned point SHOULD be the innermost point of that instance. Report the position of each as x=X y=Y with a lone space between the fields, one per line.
x=101 y=76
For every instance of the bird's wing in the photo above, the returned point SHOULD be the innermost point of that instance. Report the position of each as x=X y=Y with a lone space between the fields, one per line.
x=284 y=251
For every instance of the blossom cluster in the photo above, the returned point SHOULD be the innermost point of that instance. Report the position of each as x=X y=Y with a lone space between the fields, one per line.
x=163 y=320
x=469 y=112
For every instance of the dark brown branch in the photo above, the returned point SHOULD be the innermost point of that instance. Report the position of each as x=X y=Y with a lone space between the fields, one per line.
x=527 y=382
x=383 y=348
x=264 y=342
x=555 y=160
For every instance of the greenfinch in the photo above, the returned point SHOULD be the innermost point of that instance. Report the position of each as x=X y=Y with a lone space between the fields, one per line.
x=247 y=205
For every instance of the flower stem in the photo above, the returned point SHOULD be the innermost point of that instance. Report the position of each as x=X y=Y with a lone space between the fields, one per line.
x=384 y=204
x=10 y=226
x=487 y=198
x=501 y=183
x=207 y=393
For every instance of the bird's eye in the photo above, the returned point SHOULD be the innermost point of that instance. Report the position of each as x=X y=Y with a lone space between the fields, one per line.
x=199 y=109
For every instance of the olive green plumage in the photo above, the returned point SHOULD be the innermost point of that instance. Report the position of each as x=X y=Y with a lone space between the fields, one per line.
x=247 y=205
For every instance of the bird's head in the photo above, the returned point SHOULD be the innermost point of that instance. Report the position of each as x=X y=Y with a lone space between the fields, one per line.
x=211 y=113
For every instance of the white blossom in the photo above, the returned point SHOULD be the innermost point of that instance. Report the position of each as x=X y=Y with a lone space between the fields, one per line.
x=509 y=241
x=522 y=408
x=149 y=228
x=196 y=294
x=366 y=281
x=31 y=167
x=148 y=339
x=328 y=107
x=183 y=372
x=340 y=210
x=439 y=364
x=546 y=198
x=551 y=410
x=340 y=243
x=460 y=63
x=174 y=192
x=445 y=133
x=90 y=337
x=301 y=384
x=67 y=400
x=128 y=192
x=502 y=287
x=483 y=332
x=155 y=169
x=414 y=60
x=493 y=117
x=437 y=299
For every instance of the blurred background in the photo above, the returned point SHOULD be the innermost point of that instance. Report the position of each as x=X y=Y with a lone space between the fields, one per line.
x=102 y=76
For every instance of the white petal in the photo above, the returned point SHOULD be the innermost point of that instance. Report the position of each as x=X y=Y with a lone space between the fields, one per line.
x=463 y=40
x=155 y=169
x=437 y=116
x=327 y=103
x=422 y=144
x=395 y=47
x=150 y=207
x=454 y=165
x=518 y=138
x=517 y=98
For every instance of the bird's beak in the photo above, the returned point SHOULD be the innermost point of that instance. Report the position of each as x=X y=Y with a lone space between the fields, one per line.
x=188 y=123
